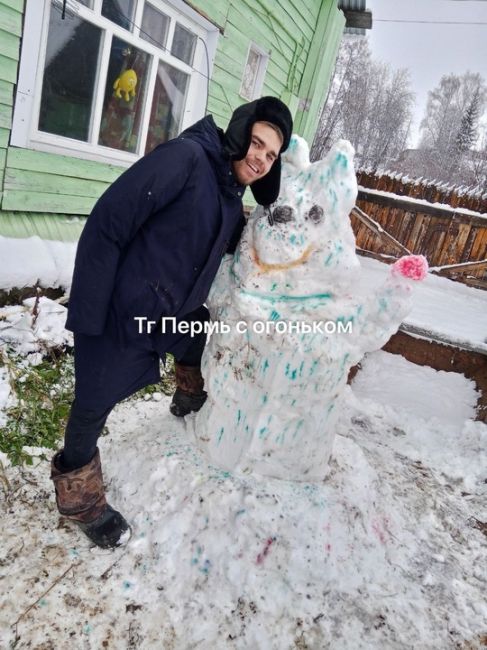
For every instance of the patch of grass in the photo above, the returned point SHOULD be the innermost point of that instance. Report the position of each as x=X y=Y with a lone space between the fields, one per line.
x=43 y=396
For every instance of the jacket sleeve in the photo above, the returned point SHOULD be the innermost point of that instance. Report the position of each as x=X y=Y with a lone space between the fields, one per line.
x=237 y=233
x=150 y=184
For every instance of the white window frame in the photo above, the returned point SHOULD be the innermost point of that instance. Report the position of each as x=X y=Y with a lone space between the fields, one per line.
x=25 y=133
x=260 y=75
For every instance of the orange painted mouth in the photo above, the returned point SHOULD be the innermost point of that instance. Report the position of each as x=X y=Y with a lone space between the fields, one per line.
x=266 y=268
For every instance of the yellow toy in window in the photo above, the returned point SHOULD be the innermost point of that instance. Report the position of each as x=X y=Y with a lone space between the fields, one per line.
x=125 y=84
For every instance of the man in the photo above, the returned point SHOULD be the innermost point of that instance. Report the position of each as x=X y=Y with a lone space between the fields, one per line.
x=151 y=249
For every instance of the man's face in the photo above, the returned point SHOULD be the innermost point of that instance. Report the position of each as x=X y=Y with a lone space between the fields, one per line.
x=264 y=148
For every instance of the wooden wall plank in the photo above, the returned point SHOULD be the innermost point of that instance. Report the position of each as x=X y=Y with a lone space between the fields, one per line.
x=8 y=69
x=30 y=160
x=46 y=182
x=6 y=92
x=17 y=5
x=278 y=39
x=35 y=202
x=10 y=20
x=215 y=11
x=5 y=116
x=9 y=45
x=287 y=16
x=4 y=138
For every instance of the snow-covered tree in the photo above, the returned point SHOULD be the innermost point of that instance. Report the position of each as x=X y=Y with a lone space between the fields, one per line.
x=479 y=164
x=368 y=104
x=467 y=134
x=449 y=129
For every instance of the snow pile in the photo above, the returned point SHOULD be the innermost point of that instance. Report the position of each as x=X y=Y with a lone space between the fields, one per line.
x=386 y=553
x=274 y=396
x=413 y=407
x=34 y=326
x=31 y=261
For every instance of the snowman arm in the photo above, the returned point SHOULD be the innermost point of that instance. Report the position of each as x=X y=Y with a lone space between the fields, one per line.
x=385 y=310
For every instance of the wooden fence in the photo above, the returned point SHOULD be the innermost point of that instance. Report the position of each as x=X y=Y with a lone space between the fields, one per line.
x=431 y=191
x=445 y=235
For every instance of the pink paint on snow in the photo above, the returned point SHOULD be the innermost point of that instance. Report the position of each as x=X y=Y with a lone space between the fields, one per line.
x=414 y=267
x=377 y=528
x=262 y=555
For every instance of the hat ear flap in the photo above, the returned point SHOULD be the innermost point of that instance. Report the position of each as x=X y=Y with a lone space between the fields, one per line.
x=266 y=189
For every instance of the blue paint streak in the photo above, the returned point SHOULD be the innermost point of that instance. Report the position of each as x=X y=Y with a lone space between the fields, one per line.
x=206 y=567
x=220 y=435
x=300 y=424
x=284 y=298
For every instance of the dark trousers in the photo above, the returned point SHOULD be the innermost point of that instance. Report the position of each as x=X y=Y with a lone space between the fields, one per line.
x=107 y=372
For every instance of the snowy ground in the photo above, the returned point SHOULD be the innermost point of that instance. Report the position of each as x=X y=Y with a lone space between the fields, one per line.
x=389 y=552
x=386 y=553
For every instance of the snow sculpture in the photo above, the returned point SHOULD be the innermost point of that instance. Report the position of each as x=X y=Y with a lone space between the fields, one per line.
x=295 y=325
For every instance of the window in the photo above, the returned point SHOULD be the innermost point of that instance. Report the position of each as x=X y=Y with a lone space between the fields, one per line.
x=254 y=72
x=111 y=80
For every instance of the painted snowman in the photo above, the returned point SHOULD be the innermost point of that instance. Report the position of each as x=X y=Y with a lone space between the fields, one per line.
x=293 y=324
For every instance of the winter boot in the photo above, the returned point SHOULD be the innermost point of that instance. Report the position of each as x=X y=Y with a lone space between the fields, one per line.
x=189 y=395
x=80 y=496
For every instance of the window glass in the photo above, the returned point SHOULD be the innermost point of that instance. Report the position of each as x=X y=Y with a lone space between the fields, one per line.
x=87 y=3
x=124 y=96
x=183 y=44
x=70 y=71
x=154 y=26
x=167 y=105
x=119 y=12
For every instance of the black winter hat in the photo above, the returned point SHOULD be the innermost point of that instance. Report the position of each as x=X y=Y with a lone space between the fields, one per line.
x=238 y=134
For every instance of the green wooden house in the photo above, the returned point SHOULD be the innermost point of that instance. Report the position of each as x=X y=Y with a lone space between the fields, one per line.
x=89 y=86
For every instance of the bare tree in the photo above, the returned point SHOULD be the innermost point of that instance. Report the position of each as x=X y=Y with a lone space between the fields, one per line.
x=368 y=104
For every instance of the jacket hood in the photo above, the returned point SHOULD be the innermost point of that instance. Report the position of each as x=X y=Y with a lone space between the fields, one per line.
x=206 y=133
x=238 y=135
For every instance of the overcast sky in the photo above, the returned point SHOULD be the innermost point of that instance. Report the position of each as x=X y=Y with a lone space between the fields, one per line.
x=430 y=50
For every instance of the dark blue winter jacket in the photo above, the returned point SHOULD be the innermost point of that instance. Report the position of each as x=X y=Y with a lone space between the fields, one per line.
x=155 y=239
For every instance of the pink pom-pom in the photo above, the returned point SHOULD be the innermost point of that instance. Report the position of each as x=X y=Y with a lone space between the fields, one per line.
x=414 y=267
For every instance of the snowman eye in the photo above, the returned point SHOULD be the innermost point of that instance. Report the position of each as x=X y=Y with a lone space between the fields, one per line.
x=283 y=214
x=315 y=214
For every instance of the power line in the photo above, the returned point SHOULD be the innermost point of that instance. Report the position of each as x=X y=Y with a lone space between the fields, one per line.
x=429 y=22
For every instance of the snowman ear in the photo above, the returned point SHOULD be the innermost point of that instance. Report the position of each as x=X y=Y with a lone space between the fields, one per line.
x=340 y=158
x=297 y=154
